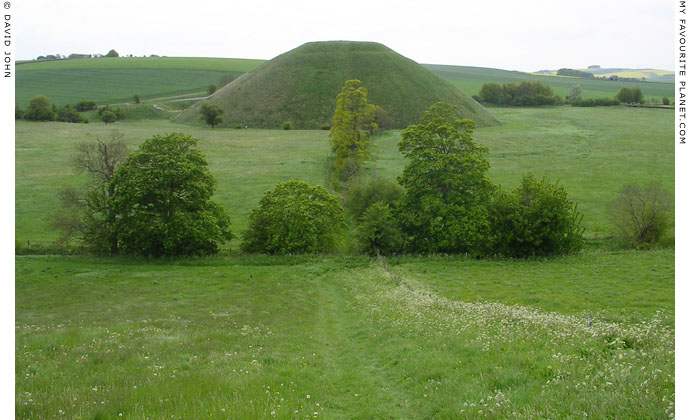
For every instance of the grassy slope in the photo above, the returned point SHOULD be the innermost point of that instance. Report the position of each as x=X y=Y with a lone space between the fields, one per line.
x=109 y=80
x=251 y=338
x=301 y=86
x=471 y=79
x=593 y=152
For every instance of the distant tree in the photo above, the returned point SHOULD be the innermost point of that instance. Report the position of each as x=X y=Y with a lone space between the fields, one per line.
x=112 y=53
x=642 y=215
x=638 y=97
x=18 y=113
x=162 y=204
x=40 y=57
x=630 y=96
x=382 y=119
x=137 y=98
x=575 y=73
x=492 y=93
x=211 y=89
x=83 y=106
x=39 y=109
x=294 y=217
x=665 y=100
x=212 y=114
x=108 y=117
x=69 y=114
x=575 y=94
x=536 y=219
x=444 y=208
x=353 y=120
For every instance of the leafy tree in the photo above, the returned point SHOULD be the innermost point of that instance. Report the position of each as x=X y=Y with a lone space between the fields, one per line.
x=18 y=113
x=637 y=95
x=294 y=217
x=39 y=109
x=83 y=214
x=382 y=119
x=492 y=93
x=630 y=96
x=642 y=215
x=362 y=195
x=212 y=89
x=161 y=203
x=446 y=188
x=83 y=106
x=137 y=98
x=575 y=94
x=378 y=232
x=352 y=122
x=108 y=117
x=665 y=100
x=69 y=114
x=212 y=114
x=536 y=219
x=112 y=53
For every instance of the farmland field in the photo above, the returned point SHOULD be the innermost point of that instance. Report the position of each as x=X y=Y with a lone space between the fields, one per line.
x=328 y=337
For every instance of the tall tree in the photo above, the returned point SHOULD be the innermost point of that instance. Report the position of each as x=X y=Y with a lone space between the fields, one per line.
x=352 y=122
x=212 y=114
x=446 y=187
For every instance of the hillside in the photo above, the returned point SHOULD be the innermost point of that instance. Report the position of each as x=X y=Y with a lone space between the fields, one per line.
x=301 y=86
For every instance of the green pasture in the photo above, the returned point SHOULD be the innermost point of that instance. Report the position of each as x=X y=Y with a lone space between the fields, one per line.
x=345 y=338
x=592 y=152
x=189 y=63
x=471 y=79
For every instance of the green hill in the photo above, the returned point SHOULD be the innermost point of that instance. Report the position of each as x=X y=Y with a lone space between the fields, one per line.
x=301 y=86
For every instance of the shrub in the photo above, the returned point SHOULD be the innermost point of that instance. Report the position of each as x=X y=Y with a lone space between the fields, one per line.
x=137 y=98
x=69 y=114
x=326 y=127
x=83 y=106
x=665 y=101
x=287 y=125
x=18 y=113
x=536 y=219
x=477 y=98
x=211 y=89
x=39 y=109
x=212 y=114
x=294 y=217
x=360 y=195
x=378 y=232
x=108 y=117
x=642 y=215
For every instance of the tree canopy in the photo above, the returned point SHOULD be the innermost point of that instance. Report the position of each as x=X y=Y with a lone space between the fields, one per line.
x=212 y=114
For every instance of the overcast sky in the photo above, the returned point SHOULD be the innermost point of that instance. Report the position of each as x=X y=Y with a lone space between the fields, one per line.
x=514 y=35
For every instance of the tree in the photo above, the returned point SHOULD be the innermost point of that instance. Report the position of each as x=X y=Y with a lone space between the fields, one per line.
x=294 y=217
x=630 y=96
x=211 y=89
x=83 y=214
x=492 y=93
x=362 y=195
x=212 y=114
x=353 y=120
x=18 y=113
x=575 y=94
x=642 y=215
x=112 y=53
x=161 y=203
x=84 y=105
x=382 y=119
x=39 y=109
x=378 y=232
x=446 y=188
x=137 y=98
x=665 y=100
x=108 y=117
x=536 y=219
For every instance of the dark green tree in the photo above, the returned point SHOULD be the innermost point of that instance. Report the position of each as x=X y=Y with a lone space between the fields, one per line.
x=211 y=89
x=536 y=219
x=492 y=93
x=212 y=114
x=352 y=122
x=378 y=232
x=161 y=203
x=69 y=114
x=18 y=113
x=446 y=188
x=112 y=53
x=137 y=98
x=39 y=109
x=294 y=217
x=108 y=117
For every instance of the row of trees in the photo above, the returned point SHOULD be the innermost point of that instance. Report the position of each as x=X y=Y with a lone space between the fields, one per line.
x=111 y=53
x=40 y=109
x=525 y=93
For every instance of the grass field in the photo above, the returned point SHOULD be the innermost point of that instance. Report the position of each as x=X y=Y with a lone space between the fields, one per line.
x=591 y=151
x=326 y=337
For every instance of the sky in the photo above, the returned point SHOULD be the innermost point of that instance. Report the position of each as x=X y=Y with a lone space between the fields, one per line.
x=525 y=35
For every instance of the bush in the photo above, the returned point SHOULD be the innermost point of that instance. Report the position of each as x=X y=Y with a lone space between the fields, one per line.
x=211 y=89
x=642 y=216
x=665 y=101
x=294 y=217
x=108 y=117
x=212 y=114
x=378 y=232
x=18 y=113
x=83 y=106
x=360 y=196
x=69 y=114
x=137 y=98
x=39 y=109
x=536 y=219
x=162 y=205
x=477 y=98
x=287 y=125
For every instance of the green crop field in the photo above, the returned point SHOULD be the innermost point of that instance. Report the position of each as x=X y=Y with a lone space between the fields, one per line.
x=589 y=336
x=593 y=152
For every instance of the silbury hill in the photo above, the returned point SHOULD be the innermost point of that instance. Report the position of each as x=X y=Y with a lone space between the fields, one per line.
x=301 y=86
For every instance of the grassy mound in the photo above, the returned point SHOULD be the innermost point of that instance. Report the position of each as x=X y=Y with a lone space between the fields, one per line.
x=301 y=86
